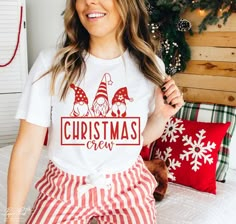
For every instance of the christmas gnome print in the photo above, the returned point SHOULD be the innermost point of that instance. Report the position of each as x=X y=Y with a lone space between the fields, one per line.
x=102 y=123
x=100 y=106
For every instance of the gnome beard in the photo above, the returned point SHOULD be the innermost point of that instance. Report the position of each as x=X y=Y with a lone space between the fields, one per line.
x=100 y=107
x=80 y=110
x=119 y=109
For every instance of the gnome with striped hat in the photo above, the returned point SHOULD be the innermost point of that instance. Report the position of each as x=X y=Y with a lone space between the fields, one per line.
x=100 y=105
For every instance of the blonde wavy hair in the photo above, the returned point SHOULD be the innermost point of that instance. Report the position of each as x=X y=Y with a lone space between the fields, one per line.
x=133 y=32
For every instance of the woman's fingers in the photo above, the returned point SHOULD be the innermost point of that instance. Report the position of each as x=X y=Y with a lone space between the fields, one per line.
x=171 y=93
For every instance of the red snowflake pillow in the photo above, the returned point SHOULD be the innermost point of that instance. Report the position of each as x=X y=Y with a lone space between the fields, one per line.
x=191 y=149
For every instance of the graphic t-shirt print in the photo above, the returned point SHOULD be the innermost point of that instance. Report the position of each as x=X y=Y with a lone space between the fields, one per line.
x=101 y=123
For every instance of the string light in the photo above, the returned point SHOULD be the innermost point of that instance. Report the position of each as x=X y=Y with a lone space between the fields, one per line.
x=201 y=12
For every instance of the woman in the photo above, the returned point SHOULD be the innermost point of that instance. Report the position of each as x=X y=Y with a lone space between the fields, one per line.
x=102 y=97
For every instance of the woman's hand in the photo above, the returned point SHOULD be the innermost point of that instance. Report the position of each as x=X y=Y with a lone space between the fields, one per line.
x=169 y=99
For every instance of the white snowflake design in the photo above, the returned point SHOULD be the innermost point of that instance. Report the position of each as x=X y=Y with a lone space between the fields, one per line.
x=197 y=150
x=172 y=130
x=173 y=164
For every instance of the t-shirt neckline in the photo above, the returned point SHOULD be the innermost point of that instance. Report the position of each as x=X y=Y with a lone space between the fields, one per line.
x=96 y=60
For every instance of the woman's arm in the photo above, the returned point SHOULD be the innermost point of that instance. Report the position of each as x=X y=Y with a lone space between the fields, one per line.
x=168 y=101
x=154 y=128
x=23 y=162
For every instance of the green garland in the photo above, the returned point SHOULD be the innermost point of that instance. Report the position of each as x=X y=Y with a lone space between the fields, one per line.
x=164 y=21
x=216 y=10
x=168 y=27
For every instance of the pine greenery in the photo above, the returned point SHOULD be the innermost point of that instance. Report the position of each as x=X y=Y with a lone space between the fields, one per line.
x=169 y=28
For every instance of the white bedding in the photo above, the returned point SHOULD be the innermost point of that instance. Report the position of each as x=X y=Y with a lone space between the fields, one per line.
x=181 y=205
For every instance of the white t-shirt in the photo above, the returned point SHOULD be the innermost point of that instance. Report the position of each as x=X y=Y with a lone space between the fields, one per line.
x=98 y=127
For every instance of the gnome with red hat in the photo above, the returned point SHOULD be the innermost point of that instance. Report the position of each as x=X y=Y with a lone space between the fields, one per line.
x=119 y=102
x=80 y=108
x=100 y=105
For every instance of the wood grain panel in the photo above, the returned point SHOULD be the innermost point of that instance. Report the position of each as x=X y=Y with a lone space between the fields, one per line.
x=210 y=76
x=220 y=83
x=213 y=68
x=212 y=39
x=213 y=54
x=209 y=96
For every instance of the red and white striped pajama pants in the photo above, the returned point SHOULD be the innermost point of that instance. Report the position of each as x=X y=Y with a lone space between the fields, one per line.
x=128 y=201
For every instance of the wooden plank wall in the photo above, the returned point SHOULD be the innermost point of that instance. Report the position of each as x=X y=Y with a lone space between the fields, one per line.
x=210 y=76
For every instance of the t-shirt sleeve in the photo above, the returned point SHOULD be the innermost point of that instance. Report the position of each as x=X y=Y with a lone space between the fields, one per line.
x=35 y=102
x=152 y=101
